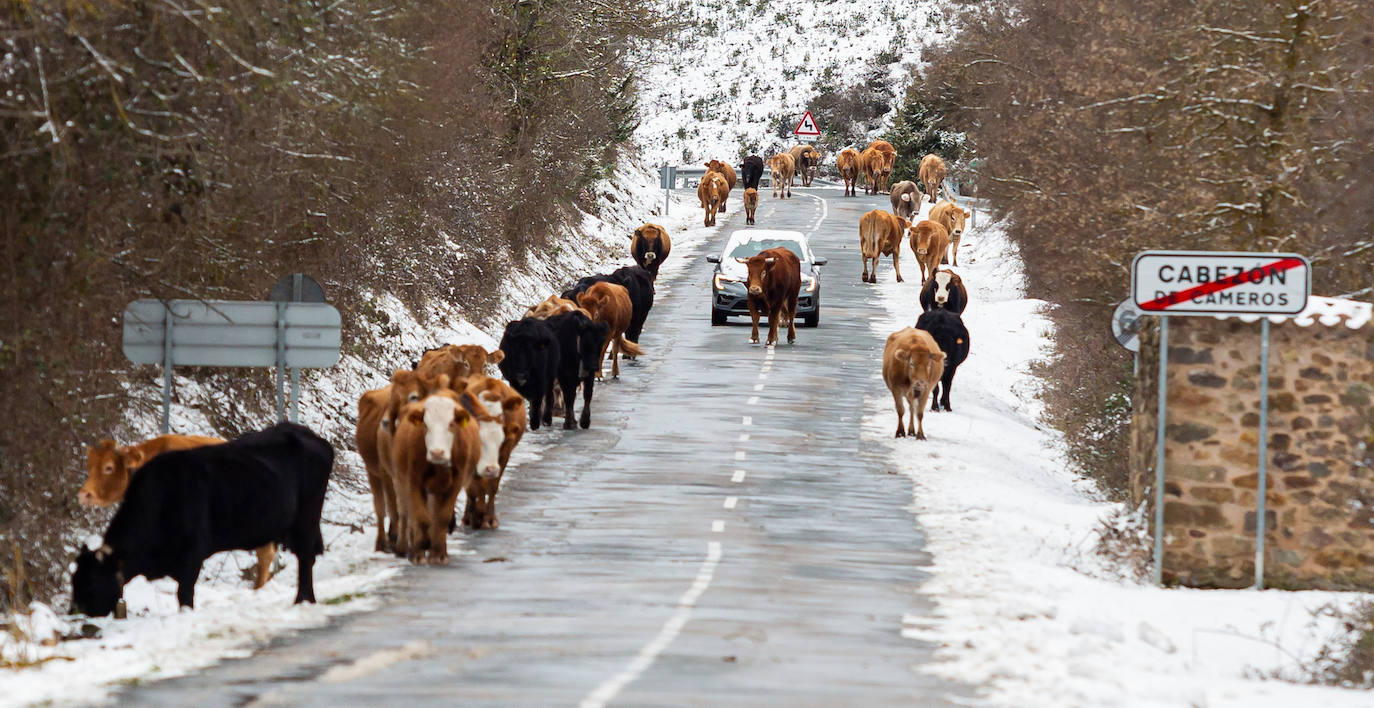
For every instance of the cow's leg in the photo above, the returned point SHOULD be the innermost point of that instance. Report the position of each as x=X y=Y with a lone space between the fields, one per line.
x=863 y=277
x=569 y=396
x=305 y=578
x=946 y=382
x=919 y=408
x=186 y=581
x=417 y=511
x=896 y=254
x=398 y=531
x=441 y=510
x=266 y=553
x=586 y=420
x=901 y=413
x=492 y=486
x=791 y=305
x=773 y=314
x=615 y=357
x=549 y=404
x=753 y=315
x=935 y=397
x=377 y=483
x=954 y=251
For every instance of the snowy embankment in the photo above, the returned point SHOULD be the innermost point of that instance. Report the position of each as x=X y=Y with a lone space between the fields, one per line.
x=1027 y=612
x=736 y=77
x=157 y=641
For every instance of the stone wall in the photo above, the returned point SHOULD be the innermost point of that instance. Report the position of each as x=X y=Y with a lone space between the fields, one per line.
x=1320 y=517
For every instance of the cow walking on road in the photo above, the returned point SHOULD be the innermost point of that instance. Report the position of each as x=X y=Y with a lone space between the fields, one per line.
x=880 y=234
x=847 y=163
x=773 y=283
x=912 y=364
x=947 y=328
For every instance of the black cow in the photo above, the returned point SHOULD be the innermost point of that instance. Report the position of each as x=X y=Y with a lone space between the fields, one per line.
x=579 y=343
x=751 y=171
x=948 y=330
x=186 y=505
x=636 y=279
x=531 y=365
x=944 y=289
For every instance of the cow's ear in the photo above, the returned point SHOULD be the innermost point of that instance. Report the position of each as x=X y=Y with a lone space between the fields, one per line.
x=135 y=457
x=495 y=357
x=510 y=403
x=901 y=355
x=108 y=444
x=461 y=417
x=468 y=403
x=400 y=376
x=967 y=213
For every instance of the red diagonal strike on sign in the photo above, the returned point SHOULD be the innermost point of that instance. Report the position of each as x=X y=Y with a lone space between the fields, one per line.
x=1249 y=276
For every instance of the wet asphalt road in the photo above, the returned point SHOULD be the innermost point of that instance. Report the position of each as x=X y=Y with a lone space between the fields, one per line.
x=718 y=537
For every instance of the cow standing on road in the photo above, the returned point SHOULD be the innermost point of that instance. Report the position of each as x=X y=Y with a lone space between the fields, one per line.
x=945 y=289
x=906 y=199
x=184 y=506
x=773 y=282
x=912 y=363
x=435 y=457
x=579 y=346
x=726 y=171
x=712 y=192
x=947 y=328
x=880 y=234
x=932 y=173
x=500 y=414
x=650 y=246
x=929 y=241
x=751 y=205
x=752 y=171
x=780 y=167
x=953 y=217
x=847 y=163
x=531 y=365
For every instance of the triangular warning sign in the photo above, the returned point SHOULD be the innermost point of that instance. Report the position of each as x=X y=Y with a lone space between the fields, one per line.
x=808 y=126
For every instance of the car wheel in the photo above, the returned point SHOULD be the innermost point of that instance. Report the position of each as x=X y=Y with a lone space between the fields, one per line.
x=717 y=317
x=812 y=319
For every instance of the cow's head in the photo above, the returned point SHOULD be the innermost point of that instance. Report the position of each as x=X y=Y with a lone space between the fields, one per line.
x=442 y=417
x=407 y=387
x=525 y=343
x=946 y=281
x=715 y=166
x=488 y=409
x=922 y=238
x=108 y=469
x=97 y=583
x=590 y=336
x=958 y=216
x=759 y=267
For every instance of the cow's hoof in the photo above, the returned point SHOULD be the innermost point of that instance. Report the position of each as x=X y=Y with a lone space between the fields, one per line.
x=569 y=425
x=899 y=279
x=585 y=423
x=754 y=340
x=900 y=433
x=920 y=436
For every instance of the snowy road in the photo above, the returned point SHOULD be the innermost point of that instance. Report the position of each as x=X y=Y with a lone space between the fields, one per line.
x=721 y=535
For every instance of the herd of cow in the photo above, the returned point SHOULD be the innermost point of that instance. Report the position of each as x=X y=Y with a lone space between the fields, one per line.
x=445 y=426
x=441 y=427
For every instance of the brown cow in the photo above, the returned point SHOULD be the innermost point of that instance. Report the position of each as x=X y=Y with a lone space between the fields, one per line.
x=457 y=361
x=109 y=467
x=500 y=414
x=883 y=169
x=952 y=217
x=552 y=305
x=780 y=168
x=610 y=303
x=848 y=164
x=932 y=174
x=877 y=167
x=912 y=366
x=773 y=282
x=650 y=246
x=751 y=205
x=712 y=192
x=434 y=456
x=906 y=199
x=884 y=147
x=726 y=171
x=880 y=234
x=805 y=160
x=406 y=387
x=371 y=407
x=929 y=241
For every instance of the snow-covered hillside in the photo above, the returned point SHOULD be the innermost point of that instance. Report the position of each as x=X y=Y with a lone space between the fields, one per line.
x=737 y=76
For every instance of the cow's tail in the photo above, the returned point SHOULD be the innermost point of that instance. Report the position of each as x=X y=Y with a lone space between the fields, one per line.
x=630 y=348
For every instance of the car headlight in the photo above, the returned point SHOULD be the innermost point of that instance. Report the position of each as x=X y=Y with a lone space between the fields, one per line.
x=810 y=283
x=721 y=279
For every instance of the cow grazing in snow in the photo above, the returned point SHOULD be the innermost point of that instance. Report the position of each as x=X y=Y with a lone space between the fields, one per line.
x=912 y=364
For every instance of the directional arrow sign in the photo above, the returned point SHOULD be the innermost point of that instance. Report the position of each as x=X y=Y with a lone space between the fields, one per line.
x=1217 y=282
x=808 y=126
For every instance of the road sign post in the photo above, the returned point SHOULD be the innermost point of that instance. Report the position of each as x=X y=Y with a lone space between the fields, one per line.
x=296 y=287
x=667 y=178
x=1169 y=283
x=229 y=333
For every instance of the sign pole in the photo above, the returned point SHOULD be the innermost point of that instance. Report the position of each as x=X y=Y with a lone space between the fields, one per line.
x=1263 y=488
x=296 y=286
x=281 y=361
x=1159 y=448
x=166 y=369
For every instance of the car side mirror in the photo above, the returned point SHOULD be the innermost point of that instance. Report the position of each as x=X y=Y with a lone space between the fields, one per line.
x=713 y=259
x=821 y=261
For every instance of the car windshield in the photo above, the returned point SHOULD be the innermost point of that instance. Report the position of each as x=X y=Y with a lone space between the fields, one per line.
x=753 y=247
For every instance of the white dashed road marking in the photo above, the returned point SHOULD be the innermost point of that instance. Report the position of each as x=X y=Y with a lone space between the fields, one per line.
x=738 y=476
x=758 y=387
x=748 y=420
x=744 y=437
x=752 y=400
x=739 y=454
x=730 y=502
x=612 y=687
x=717 y=526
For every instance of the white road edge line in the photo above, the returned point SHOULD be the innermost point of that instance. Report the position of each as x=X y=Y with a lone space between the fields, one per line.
x=730 y=502
x=612 y=687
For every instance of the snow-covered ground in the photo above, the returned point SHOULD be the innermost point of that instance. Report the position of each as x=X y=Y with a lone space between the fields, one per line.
x=158 y=641
x=738 y=72
x=1026 y=610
